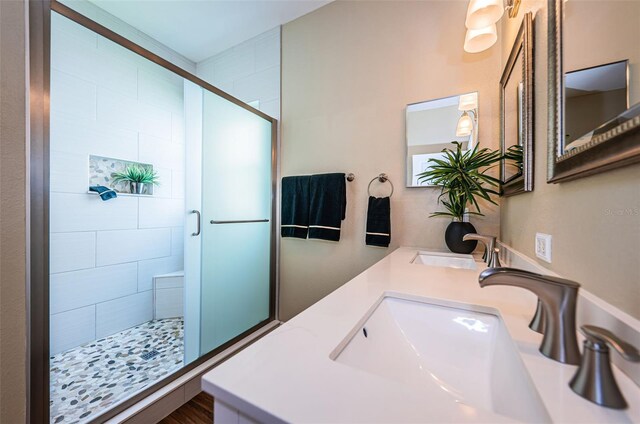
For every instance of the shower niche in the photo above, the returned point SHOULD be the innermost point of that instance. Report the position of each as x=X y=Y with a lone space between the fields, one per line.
x=104 y=171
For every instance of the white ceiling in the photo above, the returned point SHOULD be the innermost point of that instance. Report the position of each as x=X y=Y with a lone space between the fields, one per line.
x=199 y=29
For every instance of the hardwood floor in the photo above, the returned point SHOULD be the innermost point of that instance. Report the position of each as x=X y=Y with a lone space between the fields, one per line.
x=198 y=410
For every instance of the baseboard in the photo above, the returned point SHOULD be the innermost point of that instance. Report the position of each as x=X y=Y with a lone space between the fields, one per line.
x=591 y=310
x=161 y=403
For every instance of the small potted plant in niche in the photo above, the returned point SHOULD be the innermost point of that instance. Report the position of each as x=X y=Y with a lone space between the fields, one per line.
x=139 y=177
x=464 y=180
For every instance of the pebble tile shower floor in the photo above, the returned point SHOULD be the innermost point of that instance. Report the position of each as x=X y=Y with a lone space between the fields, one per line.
x=87 y=380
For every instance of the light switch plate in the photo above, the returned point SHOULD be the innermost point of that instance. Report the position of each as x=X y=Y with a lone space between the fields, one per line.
x=543 y=247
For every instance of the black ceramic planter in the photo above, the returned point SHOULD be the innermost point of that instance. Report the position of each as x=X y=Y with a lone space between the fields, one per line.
x=453 y=237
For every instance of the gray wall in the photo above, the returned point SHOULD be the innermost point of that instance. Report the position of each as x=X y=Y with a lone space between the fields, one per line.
x=594 y=221
x=348 y=71
x=13 y=181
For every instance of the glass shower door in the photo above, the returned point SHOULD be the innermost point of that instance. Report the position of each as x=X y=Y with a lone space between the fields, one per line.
x=236 y=221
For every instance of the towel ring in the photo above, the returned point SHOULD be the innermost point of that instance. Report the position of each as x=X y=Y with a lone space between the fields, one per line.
x=383 y=178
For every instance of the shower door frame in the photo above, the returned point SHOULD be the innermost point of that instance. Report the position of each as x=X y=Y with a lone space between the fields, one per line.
x=39 y=56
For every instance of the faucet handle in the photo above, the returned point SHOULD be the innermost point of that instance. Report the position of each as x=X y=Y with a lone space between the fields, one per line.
x=599 y=338
x=594 y=378
x=494 y=259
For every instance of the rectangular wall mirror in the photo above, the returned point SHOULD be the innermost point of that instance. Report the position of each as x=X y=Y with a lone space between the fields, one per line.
x=594 y=87
x=516 y=114
x=433 y=125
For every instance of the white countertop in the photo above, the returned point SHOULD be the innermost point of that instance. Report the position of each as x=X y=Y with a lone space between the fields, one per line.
x=288 y=375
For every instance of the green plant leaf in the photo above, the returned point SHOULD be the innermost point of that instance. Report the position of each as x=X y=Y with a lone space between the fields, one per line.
x=136 y=173
x=463 y=178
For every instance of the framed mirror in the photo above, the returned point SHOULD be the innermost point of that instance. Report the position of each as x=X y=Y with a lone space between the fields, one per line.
x=594 y=87
x=516 y=114
x=433 y=125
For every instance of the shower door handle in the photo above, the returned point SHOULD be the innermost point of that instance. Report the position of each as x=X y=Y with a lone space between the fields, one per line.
x=197 y=233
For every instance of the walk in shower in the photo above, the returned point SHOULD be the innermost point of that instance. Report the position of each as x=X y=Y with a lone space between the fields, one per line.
x=173 y=267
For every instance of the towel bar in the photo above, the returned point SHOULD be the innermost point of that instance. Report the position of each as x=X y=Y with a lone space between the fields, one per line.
x=383 y=178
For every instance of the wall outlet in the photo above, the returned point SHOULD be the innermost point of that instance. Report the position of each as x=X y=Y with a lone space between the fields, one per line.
x=543 y=247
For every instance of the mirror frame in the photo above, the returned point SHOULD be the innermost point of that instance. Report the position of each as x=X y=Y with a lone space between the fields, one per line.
x=524 y=43
x=598 y=155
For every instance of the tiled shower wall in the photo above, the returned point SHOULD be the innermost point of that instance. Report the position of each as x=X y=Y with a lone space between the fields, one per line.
x=249 y=71
x=110 y=102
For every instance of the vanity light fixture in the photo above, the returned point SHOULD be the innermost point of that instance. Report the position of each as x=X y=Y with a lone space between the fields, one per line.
x=483 y=13
x=478 y=40
x=468 y=104
x=465 y=125
x=482 y=16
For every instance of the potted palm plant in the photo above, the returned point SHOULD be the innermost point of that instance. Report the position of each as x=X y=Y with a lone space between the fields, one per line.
x=139 y=177
x=464 y=180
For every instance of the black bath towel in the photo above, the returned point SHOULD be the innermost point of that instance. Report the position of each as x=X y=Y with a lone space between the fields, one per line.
x=328 y=205
x=295 y=207
x=105 y=193
x=378 y=222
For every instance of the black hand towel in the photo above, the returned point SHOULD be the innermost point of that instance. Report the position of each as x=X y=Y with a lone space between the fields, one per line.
x=328 y=205
x=295 y=207
x=378 y=222
x=105 y=193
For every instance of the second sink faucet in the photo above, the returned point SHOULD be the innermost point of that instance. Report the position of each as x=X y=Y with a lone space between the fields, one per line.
x=491 y=253
x=558 y=298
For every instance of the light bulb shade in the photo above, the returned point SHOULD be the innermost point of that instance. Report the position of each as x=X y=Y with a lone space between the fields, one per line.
x=468 y=101
x=482 y=13
x=465 y=125
x=478 y=40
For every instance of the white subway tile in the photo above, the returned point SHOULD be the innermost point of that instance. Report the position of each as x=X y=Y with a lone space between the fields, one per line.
x=168 y=303
x=177 y=184
x=117 y=109
x=154 y=121
x=268 y=50
x=169 y=282
x=177 y=241
x=75 y=289
x=234 y=63
x=79 y=136
x=204 y=70
x=72 y=251
x=263 y=85
x=161 y=153
x=72 y=29
x=117 y=73
x=69 y=172
x=88 y=212
x=71 y=329
x=158 y=71
x=156 y=212
x=119 y=314
x=165 y=183
x=148 y=269
x=271 y=108
x=114 y=247
x=159 y=91
x=227 y=87
x=177 y=128
x=73 y=55
x=109 y=49
x=72 y=96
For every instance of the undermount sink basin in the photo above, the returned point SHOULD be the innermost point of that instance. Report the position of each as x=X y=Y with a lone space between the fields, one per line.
x=448 y=260
x=458 y=356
